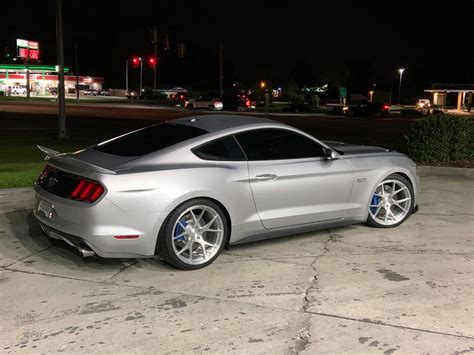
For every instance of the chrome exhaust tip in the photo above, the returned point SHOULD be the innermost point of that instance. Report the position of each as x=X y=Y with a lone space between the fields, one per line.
x=85 y=251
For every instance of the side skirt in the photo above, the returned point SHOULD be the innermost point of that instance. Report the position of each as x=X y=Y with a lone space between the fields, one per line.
x=288 y=231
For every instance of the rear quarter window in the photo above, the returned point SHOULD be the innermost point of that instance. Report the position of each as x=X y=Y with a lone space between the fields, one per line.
x=224 y=149
x=149 y=139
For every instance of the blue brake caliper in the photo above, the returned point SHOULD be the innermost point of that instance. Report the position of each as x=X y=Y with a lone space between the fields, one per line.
x=179 y=230
x=375 y=201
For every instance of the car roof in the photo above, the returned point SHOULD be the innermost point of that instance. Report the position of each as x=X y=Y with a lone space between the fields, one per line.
x=219 y=122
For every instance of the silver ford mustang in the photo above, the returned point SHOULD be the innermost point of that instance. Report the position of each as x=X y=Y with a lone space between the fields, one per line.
x=185 y=189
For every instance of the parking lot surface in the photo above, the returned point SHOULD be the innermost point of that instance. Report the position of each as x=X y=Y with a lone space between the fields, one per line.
x=354 y=289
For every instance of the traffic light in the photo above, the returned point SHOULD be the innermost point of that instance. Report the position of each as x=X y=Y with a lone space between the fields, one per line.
x=135 y=62
x=152 y=61
x=181 y=49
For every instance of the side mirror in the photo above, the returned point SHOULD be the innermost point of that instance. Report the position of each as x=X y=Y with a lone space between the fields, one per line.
x=330 y=154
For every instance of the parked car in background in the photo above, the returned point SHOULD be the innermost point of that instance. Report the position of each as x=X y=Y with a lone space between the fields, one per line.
x=132 y=95
x=104 y=92
x=204 y=102
x=89 y=92
x=421 y=103
x=53 y=90
x=366 y=108
x=240 y=103
x=17 y=90
x=423 y=106
x=179 y=100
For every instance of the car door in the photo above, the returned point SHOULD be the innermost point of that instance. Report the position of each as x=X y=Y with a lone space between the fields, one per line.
x=292 y=182
x=201 y=102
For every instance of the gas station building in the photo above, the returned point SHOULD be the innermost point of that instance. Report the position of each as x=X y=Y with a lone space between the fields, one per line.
x=43 y=79
x=464 y=94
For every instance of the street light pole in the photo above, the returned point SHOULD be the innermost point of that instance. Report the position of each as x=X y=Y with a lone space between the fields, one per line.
x=401 y=70
x=154 y=67
x=61 y=97
x=221 y=69
x=141 y=76
x=76 y=63
x=126 y=75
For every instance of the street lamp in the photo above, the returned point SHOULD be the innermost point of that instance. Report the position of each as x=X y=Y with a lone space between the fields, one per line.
x=371 y=93
x=401 y=70
x=262 y=85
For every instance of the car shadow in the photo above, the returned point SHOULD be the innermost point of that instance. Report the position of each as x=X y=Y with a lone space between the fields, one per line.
x=25 y=228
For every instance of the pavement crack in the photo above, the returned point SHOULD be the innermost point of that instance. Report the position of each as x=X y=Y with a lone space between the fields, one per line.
x=304 y=336
x=125 y=266
x=365 y=320
x=314 y=280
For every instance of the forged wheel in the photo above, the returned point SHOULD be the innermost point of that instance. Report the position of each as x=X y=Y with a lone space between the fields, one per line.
x=392 y=202
x=193 y=235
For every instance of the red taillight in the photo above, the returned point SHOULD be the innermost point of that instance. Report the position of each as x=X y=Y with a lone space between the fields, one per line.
x=386 y=107
x=45 y=172
x=247 y=103
x=87 y=191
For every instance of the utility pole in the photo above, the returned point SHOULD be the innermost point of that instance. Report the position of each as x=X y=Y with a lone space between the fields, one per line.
x=126 y=75
x=27 y=64
x=141 y=78
x=221 y=69
x=76 y=70
x=155 y=42
x=60 y=45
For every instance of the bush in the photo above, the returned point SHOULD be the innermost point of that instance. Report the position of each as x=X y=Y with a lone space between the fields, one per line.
x=441 y=138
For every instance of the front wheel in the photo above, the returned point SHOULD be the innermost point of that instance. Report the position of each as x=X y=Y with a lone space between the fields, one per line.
x=193 y=235
x=392 y=202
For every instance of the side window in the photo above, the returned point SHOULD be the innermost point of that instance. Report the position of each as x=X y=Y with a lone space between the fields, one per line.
x=224 y=149
x=274 y=144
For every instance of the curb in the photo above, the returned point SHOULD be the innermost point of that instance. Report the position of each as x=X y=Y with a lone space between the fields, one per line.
x=425 y=170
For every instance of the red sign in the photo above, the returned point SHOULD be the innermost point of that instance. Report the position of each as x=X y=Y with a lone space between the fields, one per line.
x=27 y=49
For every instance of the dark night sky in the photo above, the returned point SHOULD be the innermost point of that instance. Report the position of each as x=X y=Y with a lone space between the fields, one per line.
x=262 y=39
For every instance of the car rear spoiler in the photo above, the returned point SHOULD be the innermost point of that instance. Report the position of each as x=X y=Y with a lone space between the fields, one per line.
x=71 y=161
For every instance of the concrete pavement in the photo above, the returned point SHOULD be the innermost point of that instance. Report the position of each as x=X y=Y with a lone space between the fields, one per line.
x=354 y=289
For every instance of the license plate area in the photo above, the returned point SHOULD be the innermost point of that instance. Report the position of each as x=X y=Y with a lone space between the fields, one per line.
x=45 y=208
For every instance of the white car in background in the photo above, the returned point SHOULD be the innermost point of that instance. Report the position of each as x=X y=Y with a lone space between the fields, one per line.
x=17 y=90
x=204 y=102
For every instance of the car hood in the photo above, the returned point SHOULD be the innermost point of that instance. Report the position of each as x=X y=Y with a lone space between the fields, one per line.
x=355 y=149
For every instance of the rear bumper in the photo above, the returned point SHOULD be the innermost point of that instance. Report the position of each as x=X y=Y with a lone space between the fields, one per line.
x=95 y=225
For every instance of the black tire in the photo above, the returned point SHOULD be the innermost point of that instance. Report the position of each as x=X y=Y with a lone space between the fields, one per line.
x=373 y=223
x=211 y=108
x=190 y=107
x=164 y=247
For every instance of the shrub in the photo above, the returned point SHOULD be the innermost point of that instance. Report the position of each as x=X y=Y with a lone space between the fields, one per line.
x=441 y=138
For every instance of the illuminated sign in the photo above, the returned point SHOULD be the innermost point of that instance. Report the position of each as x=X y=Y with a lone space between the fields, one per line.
x=27 y=49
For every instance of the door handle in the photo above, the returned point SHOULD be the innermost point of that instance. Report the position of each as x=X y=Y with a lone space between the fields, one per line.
x=266 y=177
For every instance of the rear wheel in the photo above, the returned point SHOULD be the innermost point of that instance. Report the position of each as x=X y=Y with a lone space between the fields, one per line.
x=392 y=202
x=193 y=235
x=190 y=107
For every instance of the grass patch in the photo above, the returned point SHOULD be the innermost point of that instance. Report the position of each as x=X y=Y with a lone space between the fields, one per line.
x=21 y=161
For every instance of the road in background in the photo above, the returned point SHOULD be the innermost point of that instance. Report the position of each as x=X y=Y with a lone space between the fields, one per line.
x=119 y=118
